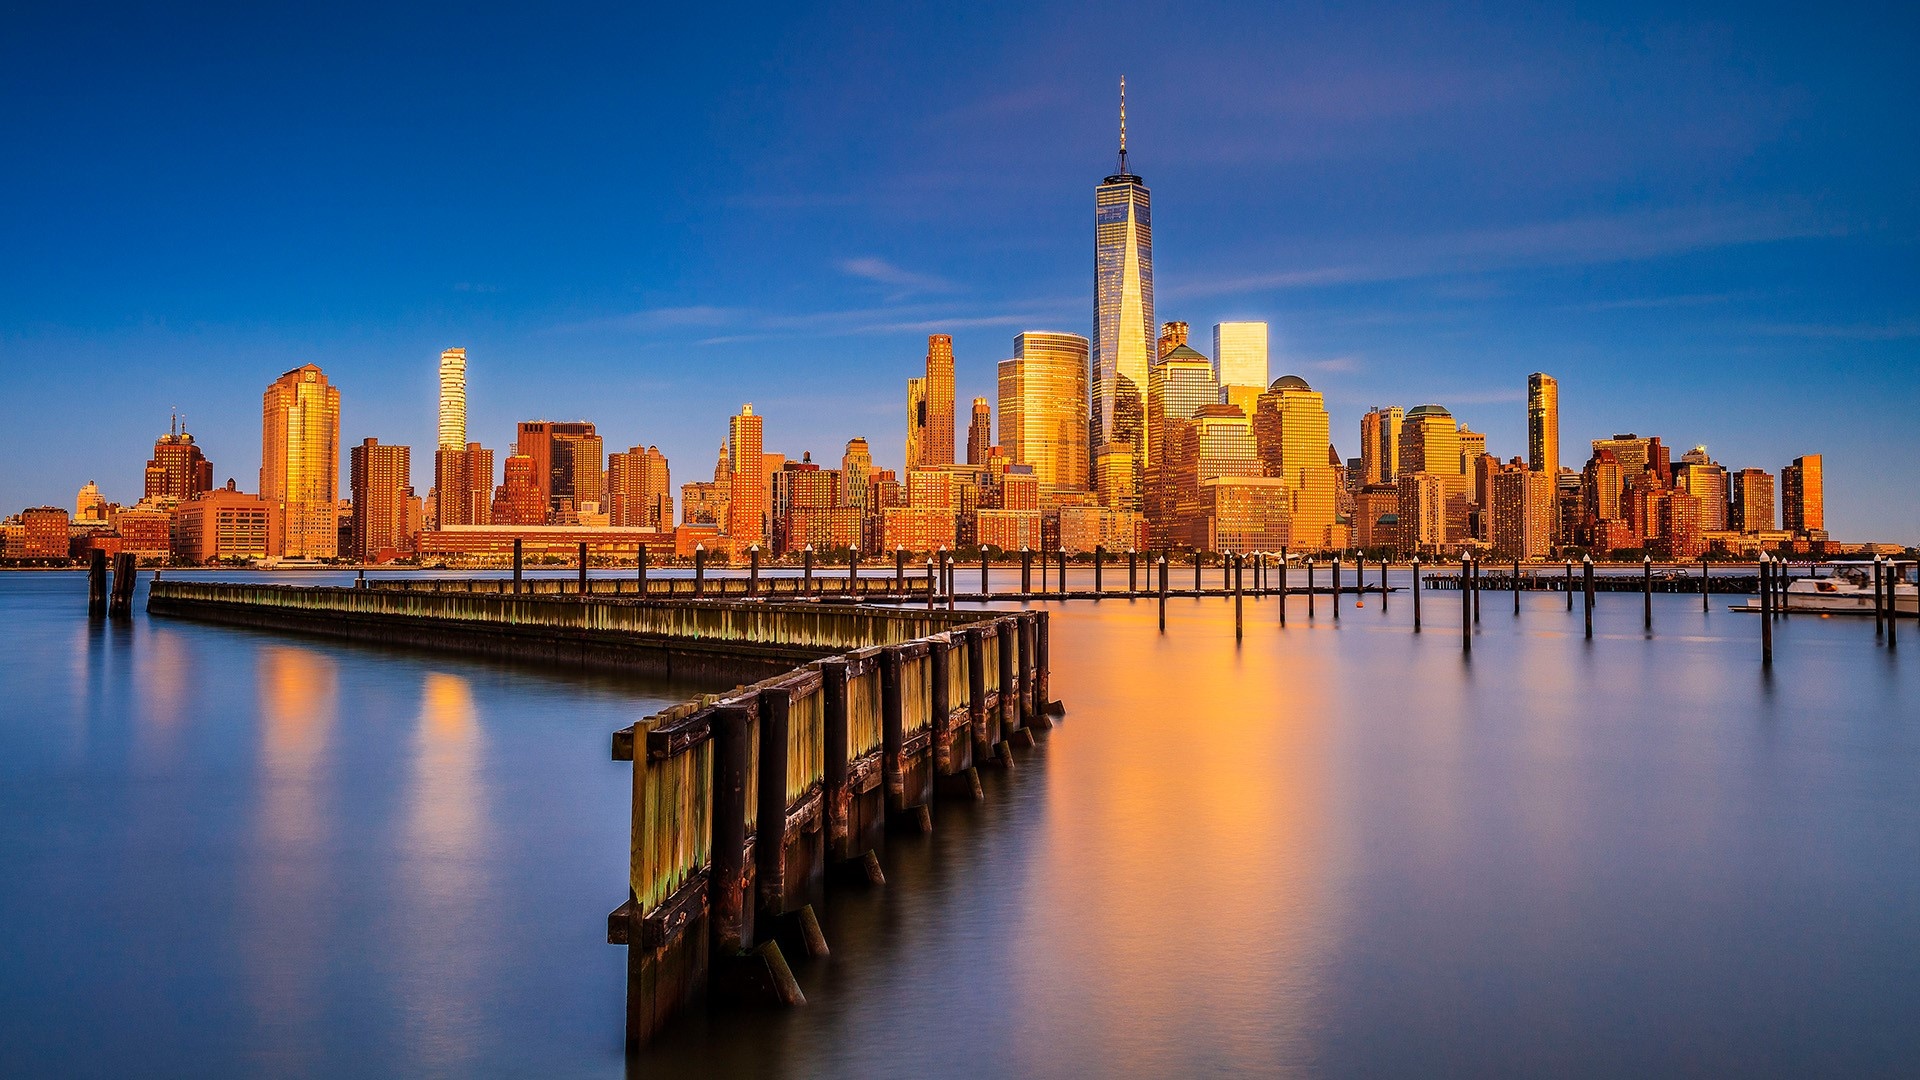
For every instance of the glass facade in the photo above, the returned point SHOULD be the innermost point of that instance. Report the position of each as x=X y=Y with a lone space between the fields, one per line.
x=1240 y=355
x=300 y=462
x=453 y=399
x=1043 y=409
x=1543 y=424
x=1123 y=322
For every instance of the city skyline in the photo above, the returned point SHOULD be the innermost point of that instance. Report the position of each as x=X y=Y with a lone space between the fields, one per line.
x=1700 y=283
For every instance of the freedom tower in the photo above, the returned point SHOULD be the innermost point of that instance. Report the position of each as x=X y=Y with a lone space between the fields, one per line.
x=1123 y=328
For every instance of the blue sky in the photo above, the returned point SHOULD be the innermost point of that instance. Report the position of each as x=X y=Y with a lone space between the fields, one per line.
x=1703 y=223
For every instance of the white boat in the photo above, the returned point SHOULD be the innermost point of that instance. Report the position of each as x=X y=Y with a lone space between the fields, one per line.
x=1847 y=589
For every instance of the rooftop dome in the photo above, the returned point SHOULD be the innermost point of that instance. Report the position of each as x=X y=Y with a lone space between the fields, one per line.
x=1427 y=410
x=1181 y=352
x=1289 y=382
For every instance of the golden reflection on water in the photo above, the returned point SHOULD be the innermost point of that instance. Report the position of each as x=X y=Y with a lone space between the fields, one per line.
x=446 y=851
x=1204 y=857
x=298 y=698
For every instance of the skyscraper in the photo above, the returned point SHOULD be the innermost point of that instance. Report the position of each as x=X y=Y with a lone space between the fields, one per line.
x=1380 y=444
x=980 y=432
x=937 y=448
x=177 y=470
x=1699 y=476
x=381 y=477
x=1240 y=362
x=1043 y=409
x=1752 y=501
x=856 y=463
x=748 y=500
x=1123 y=325
x=916 y=447
x=639 y=490
x=1178 y=387
x=1803 y=496
x=453 y=399
x=463 y=485
x=1543 y=424
x=1293 y=433
x=300 y=461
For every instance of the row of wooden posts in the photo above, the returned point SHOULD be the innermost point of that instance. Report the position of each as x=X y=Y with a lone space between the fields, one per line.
x=744 y=801
x=117 y=603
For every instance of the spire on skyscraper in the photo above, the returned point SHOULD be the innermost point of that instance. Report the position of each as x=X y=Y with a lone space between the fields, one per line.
x=1123 y=125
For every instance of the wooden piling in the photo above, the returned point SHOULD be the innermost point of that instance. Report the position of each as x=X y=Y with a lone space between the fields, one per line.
x=1197 y=588
x=1476 y=590
x=1283 y=586
x=97 y=583
x=1416 y=594
x=1309 y=588
x=1569 y=584
x=1026 y=571
x=1516 y=586
x=1099 y=556
x=126 y=575
x=1466 y=603
x=732 y=917
x=1009 y=686
x=753 y=570
x=1043 y=668
x=1586 y=562
x=930 y=589
x=642 y=571
x=985 y=727
x=1239 y=597
x=519 y=564
x=900 y=572
x=1336 y=587
x=1063 y=572
x=1766 y=611
x=986 y=589
x=1879 y=617
x=1163 y=594
x=1705 y=584
x=806 y=570
x=1133 y=572
x=1646 y=590
x=853 y=573
x=1893 y=601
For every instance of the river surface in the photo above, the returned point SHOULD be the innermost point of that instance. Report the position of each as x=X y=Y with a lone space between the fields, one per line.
x=1333 y=848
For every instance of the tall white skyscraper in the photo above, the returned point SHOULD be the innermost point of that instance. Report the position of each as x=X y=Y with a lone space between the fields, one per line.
x=1123 y=326
x=453 y=399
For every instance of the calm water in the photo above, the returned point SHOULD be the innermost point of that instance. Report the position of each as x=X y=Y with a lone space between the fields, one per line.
x=1330 y=849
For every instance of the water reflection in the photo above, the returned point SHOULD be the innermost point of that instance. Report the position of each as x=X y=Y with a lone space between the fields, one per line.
x=290 y=896
x=445 y=871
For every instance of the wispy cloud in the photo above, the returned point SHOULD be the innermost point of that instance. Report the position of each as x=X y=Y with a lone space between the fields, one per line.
x=1336 y=364
x=904 y=282
x=1582 y=241
x=1898 y=331
x=1639 y=303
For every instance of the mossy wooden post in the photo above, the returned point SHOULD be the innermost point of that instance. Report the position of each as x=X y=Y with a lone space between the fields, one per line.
x=1569 y=584
x=1063 y=572
x=1309 y=587
x=1197 y=588
x=1042 y=667
x=699 y=569
x=1026 y=571
x=952 y=712
x=930 y=588
x=1516 y=586
x=853 y=573
x=583 y=569
x=893 y=735
x=985 y=726
x=641 y=563
x=728 y=882
x=1009 y=650
x=900 y=571
x=1133 y=572
x=753 y=570
x=1099 y=556
x=519 y=565
x=952 y=576
x=806 y=570
x=837 y=792
x=1586 y=570
x=770 y=817
x=97 y=584
x=1033 y=661
x=986 y=586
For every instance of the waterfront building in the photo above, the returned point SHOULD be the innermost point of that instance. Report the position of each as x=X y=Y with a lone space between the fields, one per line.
x=1173 y=335
x=1699 y=476
x=1424 y=511
x=1123 y=331
x=178 y=470
x=462 y=485
x=519 y=501
x=1522 y=512
x=918 y=529
x=1007 y=530
x=300 y=461
x=916 y=444
x=1752 y=501
x=1376 y=517
x=89 y=504
x=493 y=544
x=1294 y=438
x=705 y=503
x=144 y=531
x=1803 y=498
x=1178 y=386
x=1245 y=513
x=1636 y=455
x=225 y=524
x=1240 y=363
x=937 y=445
x=44 y=533
x=748 y=498
x=639 y=489
x=1380 y=443
x=1043 y=409
x=381 y=477
x=980 y=433
x=453 y=399
x=1217 y=441
x=1543 y=424
x=856 y=465
x=1679 y=517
